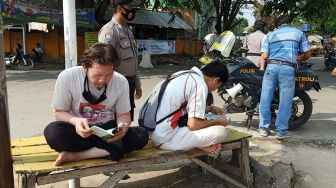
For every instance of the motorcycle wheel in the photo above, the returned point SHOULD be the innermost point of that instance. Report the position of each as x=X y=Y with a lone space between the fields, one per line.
x=302 y=109
x=28 y=65
x=328 y=64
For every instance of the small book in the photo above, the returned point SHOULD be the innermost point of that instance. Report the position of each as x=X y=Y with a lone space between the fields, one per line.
x=104 y=134
x=211 y=116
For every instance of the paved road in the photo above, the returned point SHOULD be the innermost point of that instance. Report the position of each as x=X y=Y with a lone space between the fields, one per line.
x=30 y=93
x=321 y=127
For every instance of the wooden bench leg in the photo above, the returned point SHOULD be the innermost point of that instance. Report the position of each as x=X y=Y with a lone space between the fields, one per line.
x=27 y=180
x=74 y=183
x=217 y=173
x=114 y=179
x=244 y=163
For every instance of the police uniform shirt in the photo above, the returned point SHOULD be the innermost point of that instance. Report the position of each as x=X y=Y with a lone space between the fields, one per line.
x=122 y=39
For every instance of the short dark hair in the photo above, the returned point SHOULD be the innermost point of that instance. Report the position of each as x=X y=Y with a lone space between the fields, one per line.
x=259 y=25
x=101 y=53
x=216 y=68
x=283 y=19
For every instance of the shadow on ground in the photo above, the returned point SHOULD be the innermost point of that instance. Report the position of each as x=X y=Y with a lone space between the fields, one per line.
x=186 y=176
x=33 y=75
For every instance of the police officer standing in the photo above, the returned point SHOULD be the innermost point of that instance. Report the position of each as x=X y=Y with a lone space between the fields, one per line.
x=120 y=36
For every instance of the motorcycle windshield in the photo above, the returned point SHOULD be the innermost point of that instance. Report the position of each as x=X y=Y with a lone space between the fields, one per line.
x=224 y=43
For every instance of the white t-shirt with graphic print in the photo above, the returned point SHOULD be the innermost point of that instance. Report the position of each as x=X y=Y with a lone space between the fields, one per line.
x=68 y=96
x=189 y=87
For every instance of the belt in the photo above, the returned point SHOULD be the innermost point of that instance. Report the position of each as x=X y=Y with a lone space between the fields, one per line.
x=282 y=63
x=252 y=54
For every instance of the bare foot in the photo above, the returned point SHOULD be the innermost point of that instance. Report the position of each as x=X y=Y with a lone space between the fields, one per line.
x=64 y=157
x=215 y=148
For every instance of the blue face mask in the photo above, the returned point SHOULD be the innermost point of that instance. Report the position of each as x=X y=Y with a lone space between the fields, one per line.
x=89 y=97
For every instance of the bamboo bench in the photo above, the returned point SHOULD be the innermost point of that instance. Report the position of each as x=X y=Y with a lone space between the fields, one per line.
x=33 y=162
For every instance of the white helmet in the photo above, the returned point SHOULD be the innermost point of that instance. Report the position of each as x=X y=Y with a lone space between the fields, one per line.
x=209 y=39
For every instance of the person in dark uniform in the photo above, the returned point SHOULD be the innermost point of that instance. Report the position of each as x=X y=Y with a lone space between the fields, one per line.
x=18 y=53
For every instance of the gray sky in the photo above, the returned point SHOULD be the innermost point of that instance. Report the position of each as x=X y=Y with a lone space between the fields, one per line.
x=248 y=14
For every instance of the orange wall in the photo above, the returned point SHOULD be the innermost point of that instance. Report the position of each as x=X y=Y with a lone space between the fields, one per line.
x=33 y=39
x=188 y=47
x=7 y=46
x=61 y=45
x=179 y=45
x=80 y=45
x=53 y=43
x=15 y=37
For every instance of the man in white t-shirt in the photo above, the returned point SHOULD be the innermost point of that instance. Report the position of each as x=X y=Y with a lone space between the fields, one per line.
x=38 y=51
x=180 y=133
x=87 y=95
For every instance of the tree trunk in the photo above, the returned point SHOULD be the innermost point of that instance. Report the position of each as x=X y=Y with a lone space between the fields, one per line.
x=6 y=163
x=218 y=25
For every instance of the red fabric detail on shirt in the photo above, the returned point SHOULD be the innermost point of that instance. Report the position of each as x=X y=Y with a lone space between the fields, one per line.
x=175 y=118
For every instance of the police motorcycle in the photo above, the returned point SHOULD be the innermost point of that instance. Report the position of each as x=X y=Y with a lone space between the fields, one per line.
x=241 y=94
x=330 y=59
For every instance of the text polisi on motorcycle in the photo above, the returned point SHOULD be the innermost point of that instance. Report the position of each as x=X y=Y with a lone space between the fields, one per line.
x=241 y=94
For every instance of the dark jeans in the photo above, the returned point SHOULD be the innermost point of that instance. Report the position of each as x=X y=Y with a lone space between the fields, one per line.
x=62 y=136
x=37 y=55
x=131 y=83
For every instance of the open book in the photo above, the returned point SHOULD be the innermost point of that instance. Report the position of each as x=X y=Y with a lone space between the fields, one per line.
x=104 y=134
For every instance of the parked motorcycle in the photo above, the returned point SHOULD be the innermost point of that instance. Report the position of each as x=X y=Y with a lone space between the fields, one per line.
x=330 y=59
x=244 y=89
x=23 y=62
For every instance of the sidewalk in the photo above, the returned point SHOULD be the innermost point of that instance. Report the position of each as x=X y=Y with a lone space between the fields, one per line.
x=30 y=94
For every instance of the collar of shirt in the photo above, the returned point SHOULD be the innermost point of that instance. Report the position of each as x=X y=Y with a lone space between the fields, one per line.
x=284 y=25
x=124 y=28
x=197 y=70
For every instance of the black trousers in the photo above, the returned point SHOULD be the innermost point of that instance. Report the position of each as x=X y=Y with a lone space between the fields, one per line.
x=131 y=83
x=62 y=136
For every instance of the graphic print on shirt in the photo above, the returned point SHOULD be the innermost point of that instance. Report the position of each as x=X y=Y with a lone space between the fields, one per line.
x=94 y=113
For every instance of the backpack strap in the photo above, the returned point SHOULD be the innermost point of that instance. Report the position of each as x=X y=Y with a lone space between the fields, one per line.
x=163 y=88
x=169 y=115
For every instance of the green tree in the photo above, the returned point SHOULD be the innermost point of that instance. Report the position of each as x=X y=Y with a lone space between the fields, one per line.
x=239 y=28
x=319 y=13
x=224 y=12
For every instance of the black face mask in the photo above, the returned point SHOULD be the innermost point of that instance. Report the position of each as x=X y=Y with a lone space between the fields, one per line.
x=125 y=15
x=89 y=97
